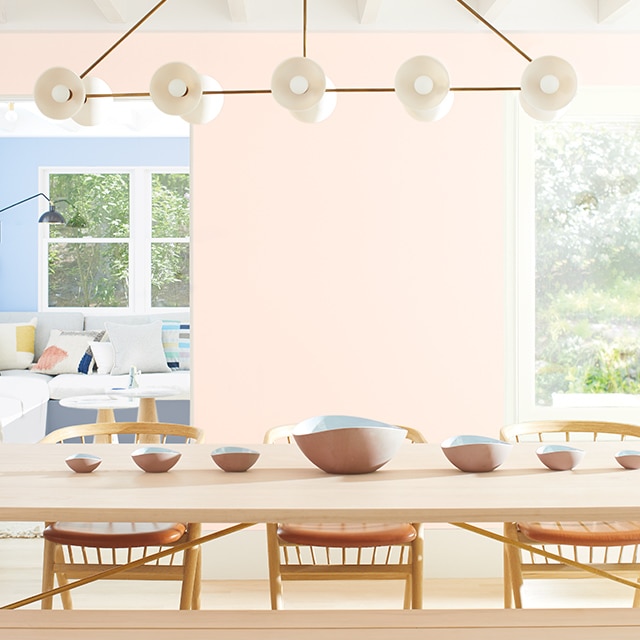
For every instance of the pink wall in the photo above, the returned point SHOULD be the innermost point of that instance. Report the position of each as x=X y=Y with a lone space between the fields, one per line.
x=354 y=266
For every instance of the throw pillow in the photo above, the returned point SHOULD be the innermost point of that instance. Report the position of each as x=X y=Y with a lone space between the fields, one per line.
x=17 y=344
x=64 y=351
x=137 y=345
x=87 y=362
x=176 y=341
x=103 y=355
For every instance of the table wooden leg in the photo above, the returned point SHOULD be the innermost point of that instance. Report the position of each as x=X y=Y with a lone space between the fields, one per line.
x=147 y=411
x=106 y=415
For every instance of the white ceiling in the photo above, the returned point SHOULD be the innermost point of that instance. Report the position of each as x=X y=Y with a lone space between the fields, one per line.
x=323 y=15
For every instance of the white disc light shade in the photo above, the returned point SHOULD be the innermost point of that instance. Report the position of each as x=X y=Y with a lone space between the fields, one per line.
x=548 y=86
x=298 y=84
x=95 y=110
x=176 y=88
x=59 y=93
x=422 y=86
x=209 y=106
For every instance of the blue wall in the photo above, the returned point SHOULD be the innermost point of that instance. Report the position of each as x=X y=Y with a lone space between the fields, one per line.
x=20 y=161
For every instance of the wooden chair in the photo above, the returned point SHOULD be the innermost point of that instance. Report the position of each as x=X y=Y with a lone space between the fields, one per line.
x=609 y=546
x=344 y=551
x=79 y=549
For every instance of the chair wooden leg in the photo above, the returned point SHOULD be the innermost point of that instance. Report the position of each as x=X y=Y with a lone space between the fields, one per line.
x=512 y=570
x=275 y=577
x=417 y=567
x=197 y=587
x=636 y=597
x=48 y=558
x=190 y=571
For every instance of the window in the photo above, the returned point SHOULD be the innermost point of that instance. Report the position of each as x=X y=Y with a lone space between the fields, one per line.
x=577 y=261
x=126 y=241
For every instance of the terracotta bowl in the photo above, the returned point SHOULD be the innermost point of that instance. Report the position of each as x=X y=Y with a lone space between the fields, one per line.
x=347 y=444
x=83 y=462
x=155 y=459
x=234 y=458
x=475 y=454
x=559 y=457
x=628 y=458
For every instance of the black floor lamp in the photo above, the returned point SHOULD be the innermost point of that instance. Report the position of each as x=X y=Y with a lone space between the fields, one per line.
x=52 y=216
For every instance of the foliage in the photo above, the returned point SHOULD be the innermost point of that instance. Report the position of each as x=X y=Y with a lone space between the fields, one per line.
x=92 y=268
x=587 y=258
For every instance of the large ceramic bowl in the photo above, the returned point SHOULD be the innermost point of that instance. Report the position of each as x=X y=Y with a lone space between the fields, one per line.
x=234 y=458
x=559 y=457
x=83 y=462
x=348 y=444
x=475 y=454
x=155 y=459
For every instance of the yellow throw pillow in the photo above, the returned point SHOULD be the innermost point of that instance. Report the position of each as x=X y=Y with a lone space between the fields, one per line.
x=17 y=344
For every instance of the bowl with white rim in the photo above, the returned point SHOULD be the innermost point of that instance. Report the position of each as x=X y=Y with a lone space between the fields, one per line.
x=235 y=459
x=560 y=457
x=348 y=444
x=154 y=459
x=628 y=458
x=83 y=462
x=474 y=453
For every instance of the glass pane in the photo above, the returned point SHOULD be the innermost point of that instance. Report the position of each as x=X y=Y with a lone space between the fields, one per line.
x=97 y=204
x=170 y=205
x=587 y=258
x=170 y=274
x=88 y=275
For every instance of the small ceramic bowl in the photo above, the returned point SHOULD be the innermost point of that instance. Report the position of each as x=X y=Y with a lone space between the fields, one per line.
x=348 y=444
x=234 y=458
x=559 y=457
x=83 y=462
x=628 y=458
x=475 y=454
x=155 y=459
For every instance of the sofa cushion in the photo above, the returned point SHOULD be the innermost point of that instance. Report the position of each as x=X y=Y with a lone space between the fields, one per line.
x=17 y=344
x=137 y=345
x=103 y=355
x=64 y=351
x=176 y=341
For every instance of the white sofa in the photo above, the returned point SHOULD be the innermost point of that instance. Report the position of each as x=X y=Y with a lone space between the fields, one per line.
x=29 y=401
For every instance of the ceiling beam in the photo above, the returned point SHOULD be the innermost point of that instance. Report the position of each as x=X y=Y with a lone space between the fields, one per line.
x=113 y=10
x=368 y=10
x=610 y=10
x=238 y=10
x=489 y=9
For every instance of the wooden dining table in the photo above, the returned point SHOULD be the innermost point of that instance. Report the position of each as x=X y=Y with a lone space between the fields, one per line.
x=417 y=485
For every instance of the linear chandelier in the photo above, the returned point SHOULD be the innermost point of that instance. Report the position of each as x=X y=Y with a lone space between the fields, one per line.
x=547 y=87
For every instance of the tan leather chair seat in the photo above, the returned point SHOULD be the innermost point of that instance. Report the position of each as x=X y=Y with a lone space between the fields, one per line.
x=346 y=535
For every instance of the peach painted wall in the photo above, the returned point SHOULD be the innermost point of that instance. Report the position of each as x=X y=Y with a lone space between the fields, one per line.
x=353 y=266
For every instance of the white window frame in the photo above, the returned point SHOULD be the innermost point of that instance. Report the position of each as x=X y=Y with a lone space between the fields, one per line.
x=140 y=239
x=611 y=103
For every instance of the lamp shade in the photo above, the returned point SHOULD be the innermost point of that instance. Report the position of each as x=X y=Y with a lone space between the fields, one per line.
x=298 y=84
x=209 y=106
x=548 y=86
x=422 y=86
x=94 y=110
x=52 y=216
x=176 y=88
x=59 y=93
x=322 y=110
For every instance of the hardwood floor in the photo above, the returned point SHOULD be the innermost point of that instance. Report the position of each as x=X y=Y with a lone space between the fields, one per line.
x=20 y=578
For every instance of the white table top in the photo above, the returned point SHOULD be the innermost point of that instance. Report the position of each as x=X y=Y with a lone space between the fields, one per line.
x=418 y=485
x=98 y=402
x=143 y=392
